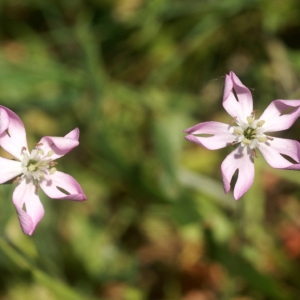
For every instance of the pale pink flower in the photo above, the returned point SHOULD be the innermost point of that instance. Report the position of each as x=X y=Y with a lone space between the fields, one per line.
x=249 y=134
x=35 y=169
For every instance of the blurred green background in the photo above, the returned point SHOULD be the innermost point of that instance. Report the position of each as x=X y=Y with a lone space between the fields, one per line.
x=132 y=75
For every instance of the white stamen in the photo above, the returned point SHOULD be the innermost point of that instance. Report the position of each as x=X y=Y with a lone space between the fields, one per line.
x=50 y=153
x=246 y=142
x=262 y=139
x=250 y=120
x=36 y=165
x=238 y=131
x=250 y=133
x=52 y=170
x=260 y=123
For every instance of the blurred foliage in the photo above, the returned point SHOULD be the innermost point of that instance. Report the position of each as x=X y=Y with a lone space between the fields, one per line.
x=132 y=74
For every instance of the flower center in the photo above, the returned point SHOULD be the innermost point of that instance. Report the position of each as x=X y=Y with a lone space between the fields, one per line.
x=36 y=164
x=250 y=133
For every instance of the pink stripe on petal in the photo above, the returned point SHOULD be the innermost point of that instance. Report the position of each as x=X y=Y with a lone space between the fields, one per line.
x=275 y=117
x=51 y=183
x=243 y=105
x=241 y=160
x=25 y=193
x=60 y=145
x=219 y=135
x=272 y=151
x=9 y=169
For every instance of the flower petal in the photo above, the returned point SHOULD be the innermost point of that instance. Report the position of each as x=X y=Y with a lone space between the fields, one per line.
x=52 y=184
x=60 y=145
x=242 y=106
x=275 y=117
x=221 y=135
x=273 y=149
x=239 y=159
x=4 y=119
x=15 y=140
x=25 y=193
x=9 y=169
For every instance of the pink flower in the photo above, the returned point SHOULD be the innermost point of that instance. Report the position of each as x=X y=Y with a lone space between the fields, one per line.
x=249 y=134
x=35 y=169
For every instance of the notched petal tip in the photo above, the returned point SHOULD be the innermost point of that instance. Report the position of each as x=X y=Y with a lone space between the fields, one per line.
x=191 y=138
x=194 y=129
x=232 y=75
x=239 y=160
x=25 y=221
x=31 y=214
x=62 y=186
x=12 y=130
x=76 y=197
x=60 y=145
x=227 y=186
x=281 y=114
x=237 y=98
x=238 y=195
x=196 y=140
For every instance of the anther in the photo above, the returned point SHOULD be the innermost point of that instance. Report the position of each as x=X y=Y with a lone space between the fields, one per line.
x=36 y=188
x=37 y=145
x=254 y=153
x=23 y=149
x=233 y=120
x=17 y=180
